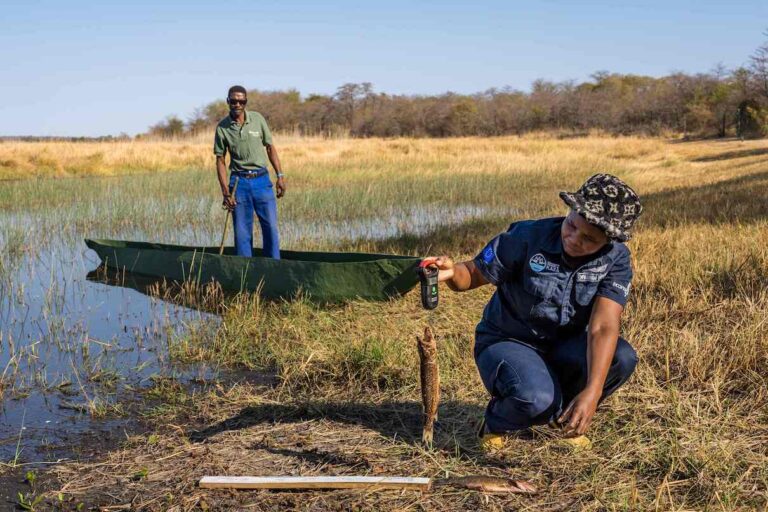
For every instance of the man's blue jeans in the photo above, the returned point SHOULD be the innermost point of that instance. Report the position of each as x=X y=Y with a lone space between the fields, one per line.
x=532 y=387
x=255 y=194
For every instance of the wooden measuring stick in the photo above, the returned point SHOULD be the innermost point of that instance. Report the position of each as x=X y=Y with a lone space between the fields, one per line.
x=314 y=482
x=226 y=219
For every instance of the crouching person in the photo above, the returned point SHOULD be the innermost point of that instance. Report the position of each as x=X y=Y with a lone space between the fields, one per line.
x=548 y=347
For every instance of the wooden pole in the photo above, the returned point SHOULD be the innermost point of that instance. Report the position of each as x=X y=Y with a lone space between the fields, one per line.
x=314 y=482
x=226 y=219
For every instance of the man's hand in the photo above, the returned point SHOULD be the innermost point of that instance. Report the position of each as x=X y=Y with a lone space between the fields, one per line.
x=229 y=202
x=579 y=413
x=280 y=187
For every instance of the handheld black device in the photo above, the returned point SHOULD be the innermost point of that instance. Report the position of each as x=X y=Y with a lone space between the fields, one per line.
x=428 y=278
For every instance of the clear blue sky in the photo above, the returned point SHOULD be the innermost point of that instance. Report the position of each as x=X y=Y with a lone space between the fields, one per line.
x=96 y=68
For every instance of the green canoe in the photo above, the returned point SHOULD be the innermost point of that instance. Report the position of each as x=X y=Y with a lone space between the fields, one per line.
x=322 y=276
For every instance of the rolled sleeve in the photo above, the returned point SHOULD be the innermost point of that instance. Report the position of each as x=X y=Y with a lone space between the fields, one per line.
x=500 y=258
x=617 y=283
x=219 y=142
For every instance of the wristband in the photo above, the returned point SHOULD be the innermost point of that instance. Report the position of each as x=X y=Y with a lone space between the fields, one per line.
x=280 y=175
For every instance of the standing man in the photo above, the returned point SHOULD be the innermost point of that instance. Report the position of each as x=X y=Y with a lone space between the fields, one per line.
x=246 y=136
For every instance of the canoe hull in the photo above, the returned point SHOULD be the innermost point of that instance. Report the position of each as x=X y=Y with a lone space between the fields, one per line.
x=323 y=277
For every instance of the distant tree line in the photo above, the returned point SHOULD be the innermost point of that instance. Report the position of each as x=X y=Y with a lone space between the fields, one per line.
x=718 y=103
x=56 y=138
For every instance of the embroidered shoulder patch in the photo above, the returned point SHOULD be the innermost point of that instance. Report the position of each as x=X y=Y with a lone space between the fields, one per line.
x=621 y=287
x=488 y=254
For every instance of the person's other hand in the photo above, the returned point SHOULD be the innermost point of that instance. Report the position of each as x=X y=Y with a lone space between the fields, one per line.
x=577 y=417
x=280 y=187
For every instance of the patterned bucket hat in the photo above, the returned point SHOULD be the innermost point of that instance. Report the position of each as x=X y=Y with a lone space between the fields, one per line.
x=608 y=203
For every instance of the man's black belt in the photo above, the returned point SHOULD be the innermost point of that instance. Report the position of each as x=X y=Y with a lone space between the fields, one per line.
x=251 y=174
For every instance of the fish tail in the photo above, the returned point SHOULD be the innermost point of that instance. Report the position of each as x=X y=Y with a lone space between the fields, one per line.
x=427 y=434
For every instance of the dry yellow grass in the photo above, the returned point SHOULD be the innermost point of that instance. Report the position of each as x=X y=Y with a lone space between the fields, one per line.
x=651 y=163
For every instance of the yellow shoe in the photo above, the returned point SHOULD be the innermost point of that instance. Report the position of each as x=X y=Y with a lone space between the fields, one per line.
x=576 y=443
x=490 y=442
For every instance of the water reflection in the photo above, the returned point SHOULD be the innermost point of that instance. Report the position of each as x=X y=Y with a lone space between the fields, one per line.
x=208 y=298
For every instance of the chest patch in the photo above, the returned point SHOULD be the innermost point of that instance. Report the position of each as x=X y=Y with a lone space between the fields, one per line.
x=539 y=263
x=589 y=277
x=255 y=134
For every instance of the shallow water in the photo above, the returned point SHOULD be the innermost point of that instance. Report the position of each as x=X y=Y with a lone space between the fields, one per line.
x=70 y=345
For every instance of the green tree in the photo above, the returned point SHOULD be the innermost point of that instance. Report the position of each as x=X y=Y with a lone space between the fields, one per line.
x=172 y=126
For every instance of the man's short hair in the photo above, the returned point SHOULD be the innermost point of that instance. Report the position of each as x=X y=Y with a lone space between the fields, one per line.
x=236 y=88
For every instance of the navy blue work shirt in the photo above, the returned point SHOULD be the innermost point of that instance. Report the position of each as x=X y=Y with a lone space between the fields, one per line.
x=539 y=299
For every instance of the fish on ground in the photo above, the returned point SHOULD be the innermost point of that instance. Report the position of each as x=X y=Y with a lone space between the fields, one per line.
x=491 y=484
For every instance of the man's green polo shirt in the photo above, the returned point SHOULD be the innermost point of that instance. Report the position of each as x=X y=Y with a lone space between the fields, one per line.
x=245 y=142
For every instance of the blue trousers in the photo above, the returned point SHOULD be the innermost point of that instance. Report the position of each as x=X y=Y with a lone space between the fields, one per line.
x=532 y=387
x=255 y=195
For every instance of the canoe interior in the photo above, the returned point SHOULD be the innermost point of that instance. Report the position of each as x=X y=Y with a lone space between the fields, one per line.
x=310 y=256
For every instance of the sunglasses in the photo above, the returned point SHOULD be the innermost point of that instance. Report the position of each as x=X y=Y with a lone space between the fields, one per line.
x=236 y=102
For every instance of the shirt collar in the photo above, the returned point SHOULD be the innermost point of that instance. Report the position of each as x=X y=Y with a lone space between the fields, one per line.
x=604 y=255
x=552 y=243
x=231 y=122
